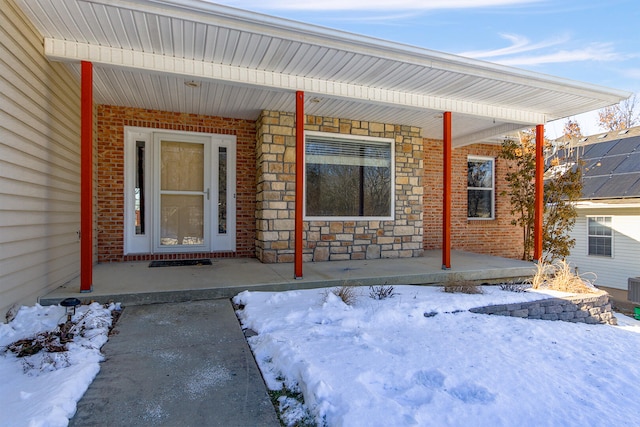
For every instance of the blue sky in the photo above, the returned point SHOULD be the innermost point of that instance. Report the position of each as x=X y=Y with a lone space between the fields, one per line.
x=586 y=40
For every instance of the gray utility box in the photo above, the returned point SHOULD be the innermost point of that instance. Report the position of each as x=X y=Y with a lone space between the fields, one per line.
x=633 y=288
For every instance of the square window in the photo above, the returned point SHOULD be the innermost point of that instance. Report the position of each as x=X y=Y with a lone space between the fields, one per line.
x=480 y=188
x=600 y=236
x=348 y=177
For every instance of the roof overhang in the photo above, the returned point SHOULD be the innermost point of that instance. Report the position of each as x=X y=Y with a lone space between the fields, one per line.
x=144 y=51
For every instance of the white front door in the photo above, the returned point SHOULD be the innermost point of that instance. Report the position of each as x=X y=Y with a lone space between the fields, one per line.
x=180 y=192
x=183 y=186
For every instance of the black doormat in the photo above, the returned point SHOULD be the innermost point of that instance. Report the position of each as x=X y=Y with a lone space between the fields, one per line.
x=179 y=262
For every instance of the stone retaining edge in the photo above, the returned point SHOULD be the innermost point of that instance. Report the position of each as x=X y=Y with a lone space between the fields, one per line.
x=589 y=308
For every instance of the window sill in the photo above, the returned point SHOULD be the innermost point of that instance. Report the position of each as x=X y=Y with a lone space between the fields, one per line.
x=348 y=218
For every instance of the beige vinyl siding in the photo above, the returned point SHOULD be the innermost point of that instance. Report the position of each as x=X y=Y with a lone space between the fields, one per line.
x=625 y=260
x=39 y=165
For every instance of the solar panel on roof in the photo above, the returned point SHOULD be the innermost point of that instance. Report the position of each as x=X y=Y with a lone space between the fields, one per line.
x=604 y=166
x=625 y=146
x=594 y=151
x=617 y=186
x=634 y=189
x=590 y=185
x=631 y=163
x=612 y=169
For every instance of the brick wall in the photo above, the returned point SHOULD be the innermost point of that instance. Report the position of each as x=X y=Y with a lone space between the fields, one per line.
x=334 y=240
x=111 y=121
x=266 y=186
x=493 y=237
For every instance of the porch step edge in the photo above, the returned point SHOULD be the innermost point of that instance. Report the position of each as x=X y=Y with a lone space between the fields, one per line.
x=226 y=292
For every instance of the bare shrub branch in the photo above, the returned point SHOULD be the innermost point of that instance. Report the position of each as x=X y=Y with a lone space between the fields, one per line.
x=381 y=292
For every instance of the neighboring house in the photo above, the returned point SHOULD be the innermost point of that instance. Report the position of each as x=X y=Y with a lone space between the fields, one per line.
x=607 y=230
x=192 y=119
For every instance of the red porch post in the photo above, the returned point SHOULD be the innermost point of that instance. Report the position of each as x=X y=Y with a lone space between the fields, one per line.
x=86 y=177
x=446 y=191
x=297 y=262
x=539 y=195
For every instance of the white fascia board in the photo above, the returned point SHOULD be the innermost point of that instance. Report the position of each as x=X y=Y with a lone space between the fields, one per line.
x=611 y=204
x=209 y=13
x=65 y=50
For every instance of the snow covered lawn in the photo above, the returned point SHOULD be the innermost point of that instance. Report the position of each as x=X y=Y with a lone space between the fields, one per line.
x=43 y=389
x=383 y=363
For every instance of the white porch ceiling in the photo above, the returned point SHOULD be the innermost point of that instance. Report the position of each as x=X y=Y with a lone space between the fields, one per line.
x=145 y=50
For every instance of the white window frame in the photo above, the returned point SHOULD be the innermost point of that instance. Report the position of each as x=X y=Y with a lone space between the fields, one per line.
x=137 y=243
x=355 y=138
x=589 y=217
x=492 y=189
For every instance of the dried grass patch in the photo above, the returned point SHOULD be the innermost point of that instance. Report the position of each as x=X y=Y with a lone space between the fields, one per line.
x=558 y=276
x=347 y=293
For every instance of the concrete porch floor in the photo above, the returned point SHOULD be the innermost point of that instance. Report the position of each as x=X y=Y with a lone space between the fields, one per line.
x=134 y=283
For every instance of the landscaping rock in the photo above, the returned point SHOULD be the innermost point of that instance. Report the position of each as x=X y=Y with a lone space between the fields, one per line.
x=588 y=308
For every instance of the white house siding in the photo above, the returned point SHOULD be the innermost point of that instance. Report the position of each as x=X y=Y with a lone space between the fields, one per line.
x=39 y=165
x=611 y=272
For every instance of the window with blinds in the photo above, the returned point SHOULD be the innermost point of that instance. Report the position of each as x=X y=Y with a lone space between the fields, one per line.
x=348 y=177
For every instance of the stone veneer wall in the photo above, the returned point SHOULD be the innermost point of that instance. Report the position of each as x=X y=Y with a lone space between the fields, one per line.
x=334 y=240
x=589 y=308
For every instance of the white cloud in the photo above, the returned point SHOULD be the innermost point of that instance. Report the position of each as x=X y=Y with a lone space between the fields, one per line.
x=363 y=5
x=591 y=52
x=519 y=44
x=541 y=53
x=631 y=73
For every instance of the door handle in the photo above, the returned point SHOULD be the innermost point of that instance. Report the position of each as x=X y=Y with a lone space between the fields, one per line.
x=207 y=192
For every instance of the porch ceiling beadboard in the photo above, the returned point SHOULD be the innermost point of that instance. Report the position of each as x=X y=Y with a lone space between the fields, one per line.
x=244 y=62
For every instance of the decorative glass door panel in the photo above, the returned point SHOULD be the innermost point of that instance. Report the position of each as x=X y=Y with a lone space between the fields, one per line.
x=182 y=194
x=222 y=190
x=182 y=219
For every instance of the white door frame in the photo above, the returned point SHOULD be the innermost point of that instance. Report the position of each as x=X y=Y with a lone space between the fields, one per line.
x=146 y=243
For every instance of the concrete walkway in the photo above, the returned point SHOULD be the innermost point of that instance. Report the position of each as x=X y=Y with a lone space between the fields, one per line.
x=180 y=364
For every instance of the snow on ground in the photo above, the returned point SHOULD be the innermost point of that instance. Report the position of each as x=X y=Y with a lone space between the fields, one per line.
x=43 y=389
x=376 y=363
x=383 y=363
